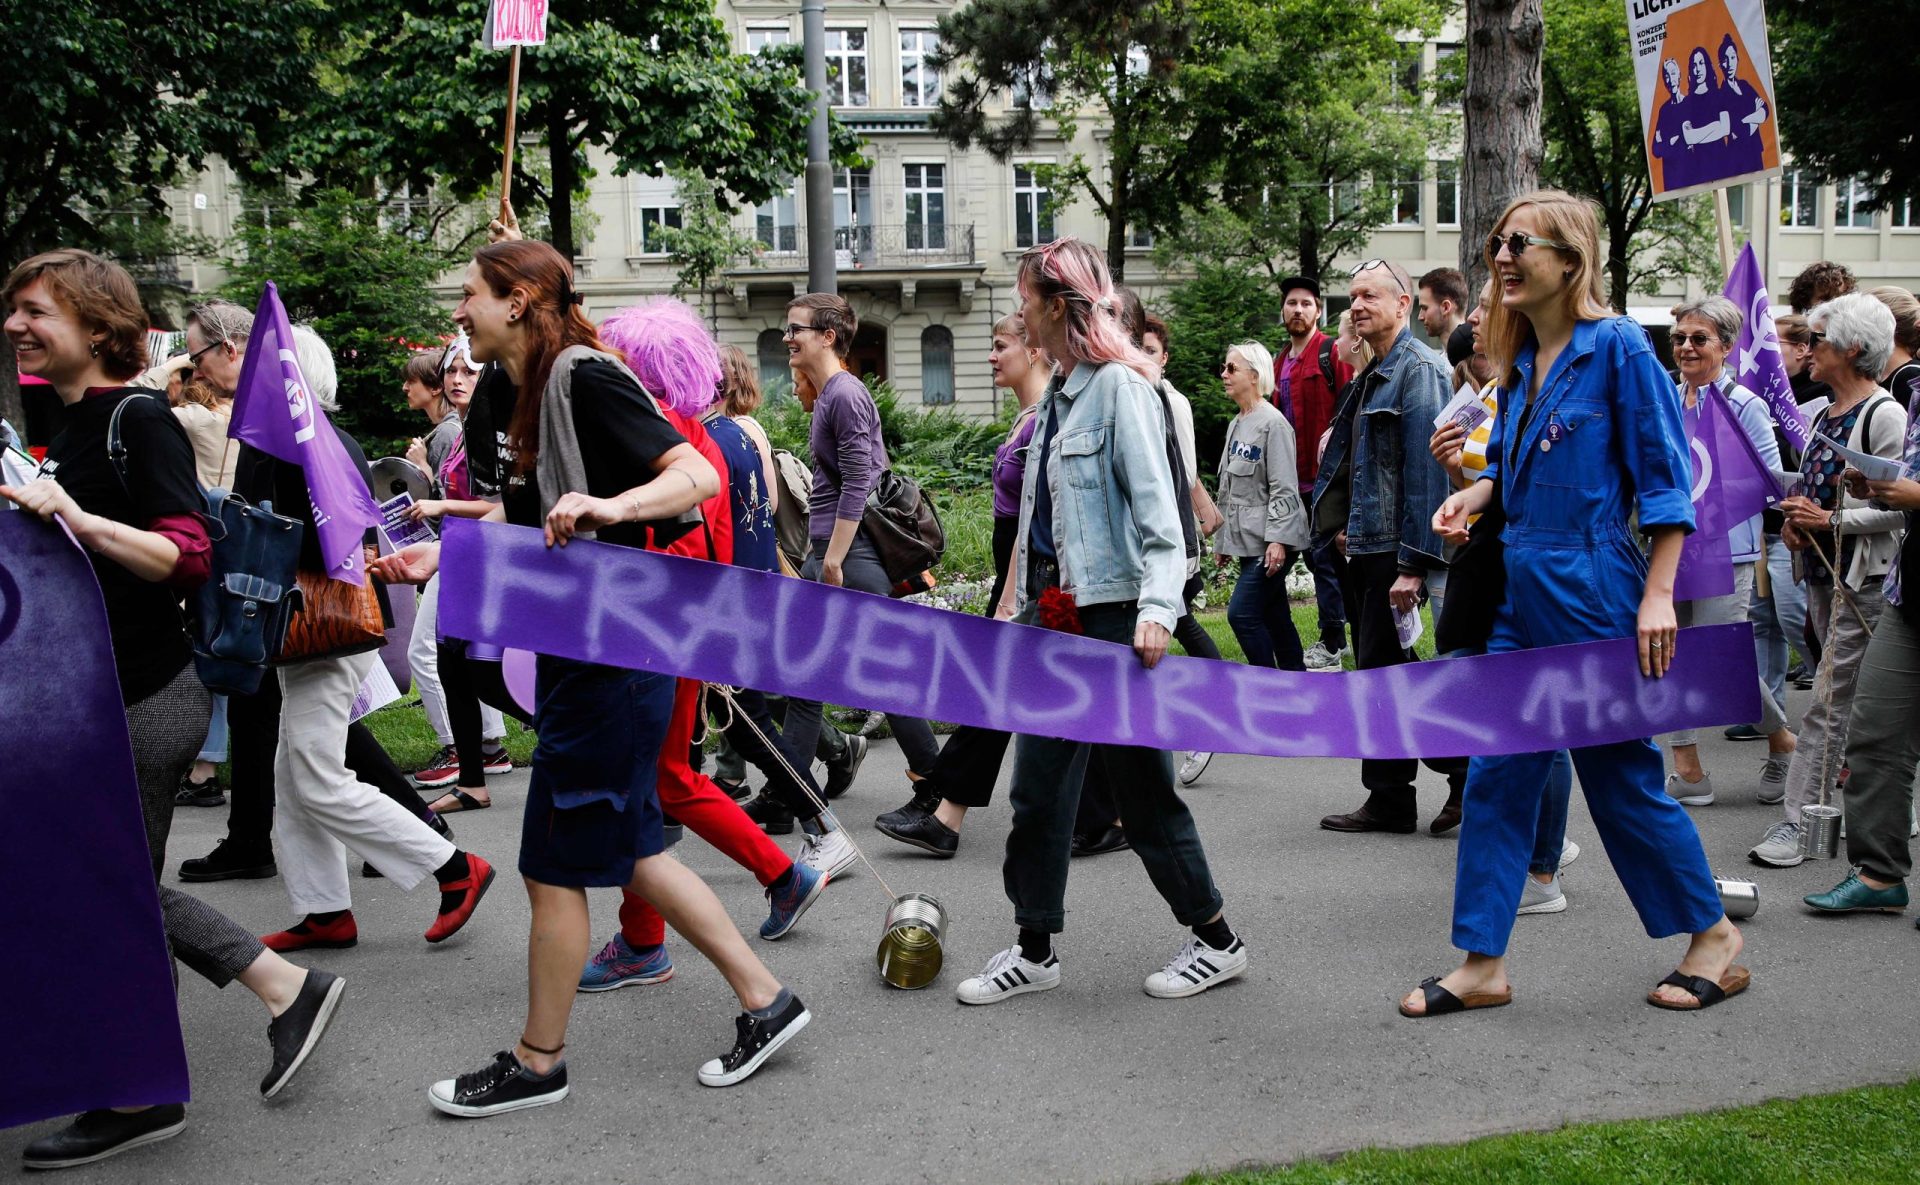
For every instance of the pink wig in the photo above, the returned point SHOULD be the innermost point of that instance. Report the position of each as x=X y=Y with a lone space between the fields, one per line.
x=670 y=352
x=1074 y=271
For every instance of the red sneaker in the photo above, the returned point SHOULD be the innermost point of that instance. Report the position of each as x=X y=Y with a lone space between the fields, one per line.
x=478 y=880
x=441 y=770
x=496 y=760
x=307 y=934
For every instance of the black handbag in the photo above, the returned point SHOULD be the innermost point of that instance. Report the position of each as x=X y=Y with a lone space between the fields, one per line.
x=903 y=527
x=1476 y=584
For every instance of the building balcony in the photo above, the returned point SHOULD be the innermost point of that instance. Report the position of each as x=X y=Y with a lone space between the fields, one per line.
x=912 y=247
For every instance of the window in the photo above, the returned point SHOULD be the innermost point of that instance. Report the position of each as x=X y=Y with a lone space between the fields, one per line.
x=919 y=81
x=1449 y=72
x=1343 y=201
x=1799 y=200
x=847 y=67
x=853 y=215
x=656 y=204
x=1904 y=214
x=652 y=218
x=776 y=222
x=769 y=35
x=1405 y=197
x=1406 y=71
x=1737 y=205
x=1033 y=88
x=1446 y=192
x=926 y=187
x=936 y=364
x=770 y=349
x=1852 y=203
x=1032 y=220
x=1140 y=236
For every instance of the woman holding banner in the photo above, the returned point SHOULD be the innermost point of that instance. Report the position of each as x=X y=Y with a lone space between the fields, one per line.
x=585 y=451
x=76 y=321
x=1589 y=434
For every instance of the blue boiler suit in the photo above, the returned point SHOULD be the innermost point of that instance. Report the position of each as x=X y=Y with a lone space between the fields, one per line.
x=1603 y=440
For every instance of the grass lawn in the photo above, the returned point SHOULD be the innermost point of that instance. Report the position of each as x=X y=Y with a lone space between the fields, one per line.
x=1856 y=1136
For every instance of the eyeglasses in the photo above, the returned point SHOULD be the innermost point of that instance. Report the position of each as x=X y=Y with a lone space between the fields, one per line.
x=1370 y=264
x=792 y=331
x=1517 y=244
x=1231 y=368
x=1698 y=341
x=1815 y=337
x=193 y=359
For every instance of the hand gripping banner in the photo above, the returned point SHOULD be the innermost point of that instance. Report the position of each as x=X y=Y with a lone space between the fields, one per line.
x=600 y=603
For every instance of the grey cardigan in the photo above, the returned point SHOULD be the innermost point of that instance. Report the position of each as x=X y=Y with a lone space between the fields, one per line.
x=1259 y=485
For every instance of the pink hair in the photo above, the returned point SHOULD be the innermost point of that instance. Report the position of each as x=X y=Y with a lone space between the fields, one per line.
x=670 y=352
x=1074 y=271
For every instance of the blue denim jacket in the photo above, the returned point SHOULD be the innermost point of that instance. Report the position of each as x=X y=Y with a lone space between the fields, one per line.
x=1397 y=485
x=1115 y=525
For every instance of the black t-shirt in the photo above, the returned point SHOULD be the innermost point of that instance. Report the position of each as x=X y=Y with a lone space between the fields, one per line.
x=149 y=633
x=622 y=433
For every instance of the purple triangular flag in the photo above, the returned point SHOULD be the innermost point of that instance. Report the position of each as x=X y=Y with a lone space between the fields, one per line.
x=1756 y=361
x=274 y=411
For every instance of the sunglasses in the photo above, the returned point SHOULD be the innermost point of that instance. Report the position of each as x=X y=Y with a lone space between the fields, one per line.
x=792 y=331
x=1815 y=338
x=1370 y=264
x=1233 y=368
x=1517 y=244
x=1698 y=341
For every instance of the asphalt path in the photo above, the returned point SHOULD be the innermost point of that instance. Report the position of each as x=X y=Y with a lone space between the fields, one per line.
x=1092 y=1082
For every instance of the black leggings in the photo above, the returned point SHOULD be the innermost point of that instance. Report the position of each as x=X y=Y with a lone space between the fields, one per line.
x=469 y=683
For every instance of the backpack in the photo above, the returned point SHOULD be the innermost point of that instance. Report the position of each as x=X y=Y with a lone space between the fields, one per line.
x=790 y=525
x=1326 y=361
x=239 y=617
x=905 y=530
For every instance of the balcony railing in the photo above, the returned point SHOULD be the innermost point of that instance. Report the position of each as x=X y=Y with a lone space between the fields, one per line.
x=916 y=244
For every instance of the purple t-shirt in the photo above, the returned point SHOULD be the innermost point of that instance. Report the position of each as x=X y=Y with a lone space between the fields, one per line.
x=848 y=454
x=1010 y=470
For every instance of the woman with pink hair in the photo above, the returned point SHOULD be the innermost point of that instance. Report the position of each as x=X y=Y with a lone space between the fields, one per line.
x=1100 y=551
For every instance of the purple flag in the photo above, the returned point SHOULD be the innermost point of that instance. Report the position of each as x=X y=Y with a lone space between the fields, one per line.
x=274 y=411
x=1731 y=484
x=74 y=846
x=1706 y=568
x=1755 y=360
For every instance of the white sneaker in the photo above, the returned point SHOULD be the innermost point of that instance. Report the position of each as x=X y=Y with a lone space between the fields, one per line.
x=1773 y=779
x=1193 y=767
x=1008 y=974
x=831 y=854
x=1319 y=658
x=1780 y=848
x=1569 y=852
x=1539 y=898
x=1195 y=968
x=1687 y=793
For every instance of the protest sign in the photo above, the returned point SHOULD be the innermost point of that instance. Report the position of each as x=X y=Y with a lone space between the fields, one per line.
x=596 y=602
x=402 y=530
x=75 y=846
x=1705 y=75
x=516 y=22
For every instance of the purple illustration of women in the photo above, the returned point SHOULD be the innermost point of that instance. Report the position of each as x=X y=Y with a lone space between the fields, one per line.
x=1676 y=159
x=1706 y=126
x=1745 y=112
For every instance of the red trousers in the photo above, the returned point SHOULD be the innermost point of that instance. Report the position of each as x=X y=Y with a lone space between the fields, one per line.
x=705 y=809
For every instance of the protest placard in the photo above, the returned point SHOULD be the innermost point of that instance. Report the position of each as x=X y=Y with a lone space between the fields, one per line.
x=516 y=22
x=402 y=530
x=1705 y=75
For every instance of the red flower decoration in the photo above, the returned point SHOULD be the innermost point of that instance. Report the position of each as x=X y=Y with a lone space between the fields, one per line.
x=1058 y=612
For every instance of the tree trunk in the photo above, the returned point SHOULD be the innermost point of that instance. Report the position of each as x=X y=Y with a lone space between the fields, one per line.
x=13 y=409
x=1502 y=148
x=565 y=178
x=1119 y=179
x=1619 y=273
x=1310 y=241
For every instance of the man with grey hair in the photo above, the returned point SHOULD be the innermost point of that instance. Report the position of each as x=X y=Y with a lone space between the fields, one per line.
x=217 y=333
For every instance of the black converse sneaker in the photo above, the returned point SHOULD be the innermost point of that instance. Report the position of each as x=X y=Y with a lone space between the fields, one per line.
x=1197 y=967
x=754 y=1043
x=502 y=1085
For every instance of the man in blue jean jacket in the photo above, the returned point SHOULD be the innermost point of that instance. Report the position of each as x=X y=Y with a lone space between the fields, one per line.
x=1374 y=498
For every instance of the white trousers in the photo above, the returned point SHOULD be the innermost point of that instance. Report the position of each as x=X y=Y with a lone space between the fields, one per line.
x=321 y=810
x=423 y=656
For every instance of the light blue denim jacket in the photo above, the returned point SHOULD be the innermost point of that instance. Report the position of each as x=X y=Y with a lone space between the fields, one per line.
x=1116 y=528
x=1397 y=485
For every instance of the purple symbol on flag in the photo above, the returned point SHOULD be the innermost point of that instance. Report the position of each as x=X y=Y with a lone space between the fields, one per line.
x=274 y=410
x=1755 y=360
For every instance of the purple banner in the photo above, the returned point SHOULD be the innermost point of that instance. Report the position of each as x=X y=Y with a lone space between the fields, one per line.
x=83 y=1034
x=600 y=603
x=1756 y=360
x=274 y=411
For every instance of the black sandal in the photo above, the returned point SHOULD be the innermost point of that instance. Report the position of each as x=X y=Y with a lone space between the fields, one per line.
x=1706 y=993
x=463 y=801
x=1440 y=1001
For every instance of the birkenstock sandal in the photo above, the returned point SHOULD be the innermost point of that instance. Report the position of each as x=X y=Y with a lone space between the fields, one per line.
x=462 y=802
x=1440 y=1001
x=1706 y=993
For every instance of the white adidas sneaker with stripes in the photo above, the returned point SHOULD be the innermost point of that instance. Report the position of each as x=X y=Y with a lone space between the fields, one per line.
x=1196 y=968
x=1009 y=974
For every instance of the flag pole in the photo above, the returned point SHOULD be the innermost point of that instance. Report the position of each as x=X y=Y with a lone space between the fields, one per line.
x=506 y=156
x=1722 y=218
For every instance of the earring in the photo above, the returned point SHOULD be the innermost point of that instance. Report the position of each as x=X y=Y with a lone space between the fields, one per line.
x=93 y=349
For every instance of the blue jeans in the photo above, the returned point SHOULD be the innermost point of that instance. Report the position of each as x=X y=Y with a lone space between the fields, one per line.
x=1262 y=617
x=1326 y=591
x=1779 y=620
x=215 y=747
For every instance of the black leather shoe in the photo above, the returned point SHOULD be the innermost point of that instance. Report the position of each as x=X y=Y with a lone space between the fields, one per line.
x=1446 y=820
x=921 y=831
x=771 y=814
x=840 y=773
x=925 y=801
x=1365 y=820
x=294 y=1033
x=207 y=793
x=96 y=1135
x=1113 y=839
x=226 y=863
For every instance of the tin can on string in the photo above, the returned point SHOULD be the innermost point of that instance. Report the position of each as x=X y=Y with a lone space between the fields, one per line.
x=1741 y=899
x=910 y=953
x=1820 y=832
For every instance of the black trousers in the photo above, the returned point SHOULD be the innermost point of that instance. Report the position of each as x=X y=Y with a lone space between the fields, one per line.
x=466 y=684
x=1365 y=581
x=970 y=760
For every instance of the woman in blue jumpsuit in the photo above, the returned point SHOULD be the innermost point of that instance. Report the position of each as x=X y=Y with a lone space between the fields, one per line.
x=1589 y=433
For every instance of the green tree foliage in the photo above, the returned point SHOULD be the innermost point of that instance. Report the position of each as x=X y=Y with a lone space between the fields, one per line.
x=366 y=290
x=412 y=98
x=1221 y=305
x=1844 y=77
x=705 y=243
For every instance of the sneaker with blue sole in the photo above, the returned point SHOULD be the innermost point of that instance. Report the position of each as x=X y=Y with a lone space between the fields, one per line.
x=785 y=905
x=618 y=965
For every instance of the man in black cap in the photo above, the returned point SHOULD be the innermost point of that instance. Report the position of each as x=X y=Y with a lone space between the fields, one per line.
x=1307 y=380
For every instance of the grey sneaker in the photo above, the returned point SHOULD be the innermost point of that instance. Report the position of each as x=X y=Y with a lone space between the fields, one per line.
x=1193 y=767
x=1687 y=793
x=1319 y=658
x=1780 y=848
x=1569 y=852
x=1538 y=898
x=1773 y=779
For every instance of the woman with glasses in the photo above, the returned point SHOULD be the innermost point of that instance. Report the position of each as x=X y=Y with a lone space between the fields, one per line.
x=1266 y=524
x=1589 y=435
